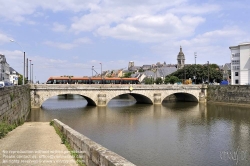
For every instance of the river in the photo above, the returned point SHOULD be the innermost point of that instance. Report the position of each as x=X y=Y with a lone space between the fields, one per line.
x=174 y=133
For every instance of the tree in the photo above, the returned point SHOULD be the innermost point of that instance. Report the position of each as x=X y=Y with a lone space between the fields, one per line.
x=127 y=75
x=20 y=79
x=158 y=80
x=201 y=73
x=148 y=80
x=171 y=79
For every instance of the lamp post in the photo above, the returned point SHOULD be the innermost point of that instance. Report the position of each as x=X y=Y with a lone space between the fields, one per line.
x=30 y=70
x=195 y=55
x=32 y=74
x=208 y=71
x=101 y=70
x=92 y=70
x=23 y=58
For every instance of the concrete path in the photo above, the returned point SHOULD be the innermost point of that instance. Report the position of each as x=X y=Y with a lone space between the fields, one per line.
x=34 y=143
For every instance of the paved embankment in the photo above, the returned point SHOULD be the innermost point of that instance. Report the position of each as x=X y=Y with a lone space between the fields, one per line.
x=34 y=143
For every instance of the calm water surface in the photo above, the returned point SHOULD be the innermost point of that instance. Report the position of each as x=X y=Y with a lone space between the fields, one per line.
x=171 y=134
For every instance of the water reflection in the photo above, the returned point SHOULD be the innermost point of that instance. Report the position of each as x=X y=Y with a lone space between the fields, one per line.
x=167 y=134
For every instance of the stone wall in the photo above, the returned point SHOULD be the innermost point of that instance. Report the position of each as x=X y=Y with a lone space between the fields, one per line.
x=91 y=153
x=239 y=94
x=14 y=103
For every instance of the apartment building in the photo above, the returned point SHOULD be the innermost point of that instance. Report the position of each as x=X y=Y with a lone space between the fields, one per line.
x=240 y=64
x=4 y=69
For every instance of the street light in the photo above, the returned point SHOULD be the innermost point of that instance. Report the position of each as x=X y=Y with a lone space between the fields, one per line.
x=195 y=55
x=23 y=58
x=208 y=71
x=92 y=70
x=101 y=70
x=30 y=70
x=32 y=74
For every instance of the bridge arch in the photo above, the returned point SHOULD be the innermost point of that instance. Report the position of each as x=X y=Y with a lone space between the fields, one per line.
x=44 y=97
x=182 y=96
x=140 y=98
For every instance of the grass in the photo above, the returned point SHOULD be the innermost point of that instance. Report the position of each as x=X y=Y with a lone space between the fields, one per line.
x=6 y=127
x=67 y=144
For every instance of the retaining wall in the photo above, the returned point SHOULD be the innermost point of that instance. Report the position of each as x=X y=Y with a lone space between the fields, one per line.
x=239 y=94
x=90 y=152
x=14 y=103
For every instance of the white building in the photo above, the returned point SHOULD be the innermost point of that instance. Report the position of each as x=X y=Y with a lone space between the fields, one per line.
x=14 y=78
x=4 y=69
x=240 y=64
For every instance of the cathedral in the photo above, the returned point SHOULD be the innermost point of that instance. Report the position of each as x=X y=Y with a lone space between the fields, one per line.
x=180 y=59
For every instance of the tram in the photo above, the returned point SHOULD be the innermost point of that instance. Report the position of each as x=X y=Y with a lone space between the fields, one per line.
x=91 y=80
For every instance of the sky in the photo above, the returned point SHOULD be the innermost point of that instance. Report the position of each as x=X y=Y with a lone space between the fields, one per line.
x=68 y=37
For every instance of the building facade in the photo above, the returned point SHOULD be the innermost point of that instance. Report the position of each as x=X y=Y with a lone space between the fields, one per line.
x=240 y=64
x=4 y=69
x=13 y=78
x=180 y=59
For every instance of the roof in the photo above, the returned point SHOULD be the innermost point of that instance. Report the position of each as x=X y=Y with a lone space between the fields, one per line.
x=228 y=65
x=241 y=44
x=11 y=70
x=164 y=71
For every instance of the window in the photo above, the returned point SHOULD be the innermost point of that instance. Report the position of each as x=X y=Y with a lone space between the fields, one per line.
x=235 y=62
x=236 y=67
x=236 y=73
x=236 y=55
x=236 y=81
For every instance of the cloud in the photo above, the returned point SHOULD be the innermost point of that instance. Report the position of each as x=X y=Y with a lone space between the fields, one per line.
x=4 y=38
x=65 y=46
x=147 y=28
x=210 y=46
x=58 y=27
x=68 y=46
x=195 y=9
x=18 y=10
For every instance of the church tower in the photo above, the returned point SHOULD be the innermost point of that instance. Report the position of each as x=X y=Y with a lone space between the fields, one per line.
x=180 y=59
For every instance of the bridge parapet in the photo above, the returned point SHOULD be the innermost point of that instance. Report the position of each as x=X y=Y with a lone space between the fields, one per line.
x=101 y=94
x=112 y=86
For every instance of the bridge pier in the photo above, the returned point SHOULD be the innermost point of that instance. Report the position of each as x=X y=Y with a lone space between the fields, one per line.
x=157 y=98
x=203 y=94
x=101 y=100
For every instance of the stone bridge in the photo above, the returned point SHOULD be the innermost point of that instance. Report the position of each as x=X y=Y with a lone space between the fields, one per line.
x=101 y=94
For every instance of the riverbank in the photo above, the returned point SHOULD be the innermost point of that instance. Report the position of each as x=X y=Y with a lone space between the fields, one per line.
x=34 y=143
x=229 y=104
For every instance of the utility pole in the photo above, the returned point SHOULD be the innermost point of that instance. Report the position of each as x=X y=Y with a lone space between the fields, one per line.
x=27 y=70
x=32 y=74
x=92 y=70
x=30 y=70
x=195 y=65
x=101 y=71
x=208 y=71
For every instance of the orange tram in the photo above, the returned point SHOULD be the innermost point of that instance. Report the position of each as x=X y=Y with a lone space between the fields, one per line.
x=91 y=80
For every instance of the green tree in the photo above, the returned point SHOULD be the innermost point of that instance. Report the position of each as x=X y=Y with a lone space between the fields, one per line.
x=201 y=73
x=171 y=79
x=158 y=80
x=20 y=80
x=148 y=80
x=127 y=75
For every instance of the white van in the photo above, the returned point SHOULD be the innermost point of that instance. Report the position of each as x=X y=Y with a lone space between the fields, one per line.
x=2 y=84
x=5 y=83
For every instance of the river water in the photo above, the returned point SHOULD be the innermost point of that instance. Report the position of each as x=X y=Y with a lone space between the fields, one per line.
x=174 y=133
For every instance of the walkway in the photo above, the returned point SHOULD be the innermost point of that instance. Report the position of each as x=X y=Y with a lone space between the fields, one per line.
x=34 y=143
